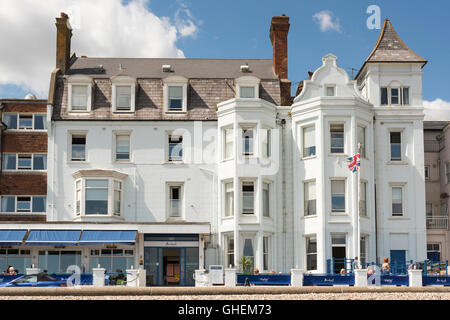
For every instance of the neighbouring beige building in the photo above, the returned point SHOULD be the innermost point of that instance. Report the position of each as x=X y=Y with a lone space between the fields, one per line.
x=437 y=177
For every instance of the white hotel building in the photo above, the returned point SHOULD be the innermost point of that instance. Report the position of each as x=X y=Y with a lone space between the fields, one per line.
x=176 y=164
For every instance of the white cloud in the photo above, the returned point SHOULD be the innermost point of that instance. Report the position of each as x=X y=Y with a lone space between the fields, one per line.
x=101 y=28
x=437 y=110
x=327 y=21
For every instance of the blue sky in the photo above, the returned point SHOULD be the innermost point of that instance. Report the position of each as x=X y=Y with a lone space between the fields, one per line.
x=240 y=29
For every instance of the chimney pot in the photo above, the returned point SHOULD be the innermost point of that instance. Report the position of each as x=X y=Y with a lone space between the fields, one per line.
x=279 y=29
x=63 y=36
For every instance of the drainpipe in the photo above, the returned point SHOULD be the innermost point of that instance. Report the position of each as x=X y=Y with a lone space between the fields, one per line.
x=283 y=165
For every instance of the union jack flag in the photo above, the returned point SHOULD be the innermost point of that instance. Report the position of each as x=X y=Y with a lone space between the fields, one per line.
x=354 y=162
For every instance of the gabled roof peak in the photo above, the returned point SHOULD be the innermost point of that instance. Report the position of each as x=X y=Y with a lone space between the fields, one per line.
x=390 y=48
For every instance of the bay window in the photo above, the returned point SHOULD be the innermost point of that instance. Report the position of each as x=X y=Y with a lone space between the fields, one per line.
x=98 y=193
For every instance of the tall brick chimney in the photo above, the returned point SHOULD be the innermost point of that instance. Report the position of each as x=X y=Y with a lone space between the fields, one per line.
x=63 y=36
x=279 y=29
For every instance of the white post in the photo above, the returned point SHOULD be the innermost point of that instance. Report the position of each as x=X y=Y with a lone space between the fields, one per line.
x=98 y=277
x=132 y=277
x=415 y=278
x=201 y=278
x=360 y=277
x=142 y=277
x=230 y=277
x=296 y=278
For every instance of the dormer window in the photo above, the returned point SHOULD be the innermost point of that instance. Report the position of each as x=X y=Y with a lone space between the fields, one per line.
x=175 y=98
x=247 y=92
x=123 y=94
x=79 y=97
x=123 y=98
x=247 y=87
x=79 y=93
x=175 y=94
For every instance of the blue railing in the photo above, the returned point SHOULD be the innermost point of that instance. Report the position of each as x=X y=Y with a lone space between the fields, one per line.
x=86 y=279
x=5 y=277
x=264 y=279
x=431 y=267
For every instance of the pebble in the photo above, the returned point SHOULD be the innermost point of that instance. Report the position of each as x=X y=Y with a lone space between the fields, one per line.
x=309 y=296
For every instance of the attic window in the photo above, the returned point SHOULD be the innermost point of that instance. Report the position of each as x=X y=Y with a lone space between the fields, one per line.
x=245 y=68
x=330 y=91
x=166 y=68
x=123 y=94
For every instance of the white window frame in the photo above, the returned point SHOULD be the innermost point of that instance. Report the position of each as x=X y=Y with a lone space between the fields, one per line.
x=365 y=184
x=253 y=144
x=266 y=142
x=123 y=81
x=401 y=101
x=177 y=81
x=306 y=237
x=402 y=186
x=305 y=200
x=227 y=250
x=344 y=180
x=225 y=193
x=169 y=186
x=79 y=80
x=226 y=142
x=241 y=192
x=115 y=135
x=251 y=237
x=402 y=145
x=269 y=185
x=303 y=130
x=331 y=86
x=83 y=175
x=267 y=254
x=330 y=124
x=69 y=143
x=183 y=147
x=247 y=81
x=363 y=146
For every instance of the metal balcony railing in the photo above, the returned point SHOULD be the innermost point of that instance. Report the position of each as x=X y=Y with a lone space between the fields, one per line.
x=437 y=222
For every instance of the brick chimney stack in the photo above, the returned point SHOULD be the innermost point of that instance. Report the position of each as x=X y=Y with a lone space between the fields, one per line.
x=279 y=29
x=63 y=36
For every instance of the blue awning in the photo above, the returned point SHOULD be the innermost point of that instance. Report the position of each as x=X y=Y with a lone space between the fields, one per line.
x=12 y=237
x=92 y=237
x=53 y=237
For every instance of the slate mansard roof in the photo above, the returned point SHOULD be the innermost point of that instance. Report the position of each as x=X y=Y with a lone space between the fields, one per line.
x=210 y=81
x=187 y=67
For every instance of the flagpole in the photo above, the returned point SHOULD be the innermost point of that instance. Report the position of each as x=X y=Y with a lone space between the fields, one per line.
x=358 y=241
